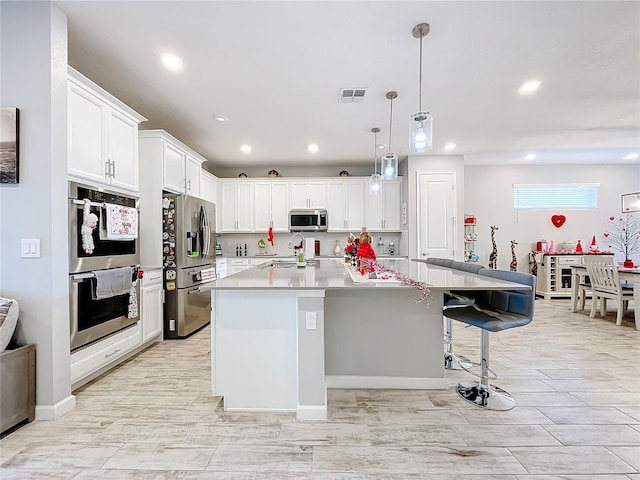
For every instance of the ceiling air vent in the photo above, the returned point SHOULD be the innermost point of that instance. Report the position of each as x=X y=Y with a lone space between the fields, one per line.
x=352 y=95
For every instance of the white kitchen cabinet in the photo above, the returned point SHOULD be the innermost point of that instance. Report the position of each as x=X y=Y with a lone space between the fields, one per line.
x=271 y=206
x=102 y=136
x=345 y=200
x=151 y=300
x=193 y=166
x=308 y=194
x=208 y=187
x=92 y=360
x=383 y=209
x=236 y=206
x=181 y=166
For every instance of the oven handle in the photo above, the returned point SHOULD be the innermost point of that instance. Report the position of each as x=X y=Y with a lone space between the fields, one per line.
x=80 y=277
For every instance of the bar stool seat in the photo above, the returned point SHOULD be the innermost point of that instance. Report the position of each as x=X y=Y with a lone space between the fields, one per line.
x=494 y=311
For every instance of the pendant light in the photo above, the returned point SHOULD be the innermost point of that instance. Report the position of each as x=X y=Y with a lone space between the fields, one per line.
x=389 y=163
x=421 y=125
x=375 y=182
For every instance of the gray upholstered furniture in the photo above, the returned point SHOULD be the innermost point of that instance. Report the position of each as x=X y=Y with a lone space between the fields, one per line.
x=494 y=311
x=454 y=300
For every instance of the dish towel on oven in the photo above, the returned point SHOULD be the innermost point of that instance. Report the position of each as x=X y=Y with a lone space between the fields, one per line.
x=132 y=310
x=112 y=282
x=118 y=222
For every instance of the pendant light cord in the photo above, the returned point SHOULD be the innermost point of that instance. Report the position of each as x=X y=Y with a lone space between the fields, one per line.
x=420 y=85
x=390 y=118
x=375 y=153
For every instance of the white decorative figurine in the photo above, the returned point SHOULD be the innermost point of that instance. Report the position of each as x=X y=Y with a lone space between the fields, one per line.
x=89 y=222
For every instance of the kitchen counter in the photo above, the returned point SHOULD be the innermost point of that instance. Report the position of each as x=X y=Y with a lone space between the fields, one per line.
x=329 y=274
x=281 y=336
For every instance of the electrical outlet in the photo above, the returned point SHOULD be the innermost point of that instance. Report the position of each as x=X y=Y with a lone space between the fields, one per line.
x=310 y=320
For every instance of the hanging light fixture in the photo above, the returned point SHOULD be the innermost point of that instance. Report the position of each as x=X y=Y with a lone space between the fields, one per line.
x=375 y=182
x=389 y=162
x=421 y=125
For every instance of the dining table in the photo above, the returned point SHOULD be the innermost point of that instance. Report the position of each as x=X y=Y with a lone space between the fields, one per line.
x=625 y=274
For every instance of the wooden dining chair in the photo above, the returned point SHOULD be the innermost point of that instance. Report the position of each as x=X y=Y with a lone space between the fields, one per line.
x=605 y=284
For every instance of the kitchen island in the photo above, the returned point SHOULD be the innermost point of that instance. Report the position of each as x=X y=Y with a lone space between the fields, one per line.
x=281 y=334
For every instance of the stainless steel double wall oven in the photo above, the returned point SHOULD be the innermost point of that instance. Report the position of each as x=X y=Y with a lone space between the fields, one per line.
x=92 y=319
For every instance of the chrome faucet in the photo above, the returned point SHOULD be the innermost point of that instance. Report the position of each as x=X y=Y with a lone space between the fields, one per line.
x=294 y=236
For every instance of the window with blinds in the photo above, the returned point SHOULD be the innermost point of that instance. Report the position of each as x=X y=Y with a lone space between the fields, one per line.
x=571 y=196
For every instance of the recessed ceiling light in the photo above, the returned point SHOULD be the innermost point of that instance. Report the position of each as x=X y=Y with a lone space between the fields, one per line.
x=529 y=87
x=382 y=146
x=531 y=156
x=172 y=62
x=245 y=148
x=631 y=156
x=450 y=146
x=313 y=148
x=221 y=118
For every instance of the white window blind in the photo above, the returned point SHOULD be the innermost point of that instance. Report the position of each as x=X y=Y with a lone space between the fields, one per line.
x=571 y=196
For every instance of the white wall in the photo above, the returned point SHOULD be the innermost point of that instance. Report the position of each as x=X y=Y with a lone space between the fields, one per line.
x=33 y=39
x=488 y=194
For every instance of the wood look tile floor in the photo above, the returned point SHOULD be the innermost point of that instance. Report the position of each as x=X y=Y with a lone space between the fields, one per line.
x=575 y=380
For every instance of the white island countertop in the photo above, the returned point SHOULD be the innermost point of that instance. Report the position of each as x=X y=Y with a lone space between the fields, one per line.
x=328 y=274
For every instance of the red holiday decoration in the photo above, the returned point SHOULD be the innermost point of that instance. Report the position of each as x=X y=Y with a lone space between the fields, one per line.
x=366 y=254
x=579 y=247
x=558 y=220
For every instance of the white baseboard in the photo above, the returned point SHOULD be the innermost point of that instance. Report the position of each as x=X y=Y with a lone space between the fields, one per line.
x=51 y=412
x=403 y=383
x=312 y=412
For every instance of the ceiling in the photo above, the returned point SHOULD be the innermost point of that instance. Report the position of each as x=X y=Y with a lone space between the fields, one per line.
x=275 y=69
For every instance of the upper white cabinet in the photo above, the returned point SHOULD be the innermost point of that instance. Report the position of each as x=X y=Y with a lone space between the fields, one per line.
x=271 y=206
x=102 y=135
x=383 y=209
x=208 y=187
x=346 y=204
x=235 y=207
x=308 y=194
x=180 y=165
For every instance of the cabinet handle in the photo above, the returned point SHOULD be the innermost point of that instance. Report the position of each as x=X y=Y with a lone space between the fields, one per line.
x=189 y=185
x=113 y=172
x=113 y=353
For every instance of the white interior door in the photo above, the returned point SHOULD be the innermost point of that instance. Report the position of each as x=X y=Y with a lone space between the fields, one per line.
x=436 y=215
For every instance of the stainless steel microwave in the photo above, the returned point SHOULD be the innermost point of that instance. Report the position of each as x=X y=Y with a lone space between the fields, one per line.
x=308 y=220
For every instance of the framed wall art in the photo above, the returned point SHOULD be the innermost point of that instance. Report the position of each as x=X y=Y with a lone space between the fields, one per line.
x=9 y=145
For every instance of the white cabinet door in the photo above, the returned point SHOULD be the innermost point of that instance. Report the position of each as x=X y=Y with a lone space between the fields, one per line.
x=173 y=164
x=383 y=209
x=374 y=211
x=244 y=209
x=392 y=200
x=87 y=150
x=236 y=211
x=262 y=206
x=280 y=206
x=308 y=195
x=337 y=206
x=354 y=202
x=151 y=305
x=208 y=187
x=123 y=150
x=227 y=210
x=317 y=192
x=299 y=195
x=192 y=176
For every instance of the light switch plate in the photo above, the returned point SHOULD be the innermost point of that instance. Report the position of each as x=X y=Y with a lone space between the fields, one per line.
x=310 y=321
x=30 y=247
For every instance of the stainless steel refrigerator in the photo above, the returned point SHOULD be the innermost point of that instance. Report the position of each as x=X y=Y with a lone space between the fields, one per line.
x=188 y=241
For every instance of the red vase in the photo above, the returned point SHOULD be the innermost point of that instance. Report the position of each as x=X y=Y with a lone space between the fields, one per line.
x=628 y=264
